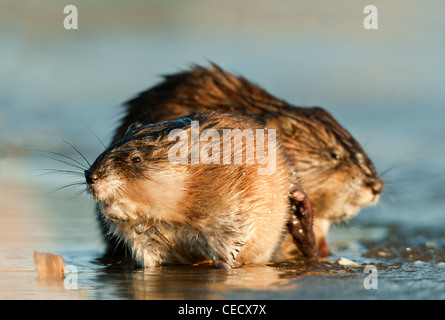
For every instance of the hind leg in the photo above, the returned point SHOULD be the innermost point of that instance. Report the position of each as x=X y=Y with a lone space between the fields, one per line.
x=321 y=230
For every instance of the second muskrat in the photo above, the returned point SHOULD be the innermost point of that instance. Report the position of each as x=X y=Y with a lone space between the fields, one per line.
x=183 y=212
x=334 y=170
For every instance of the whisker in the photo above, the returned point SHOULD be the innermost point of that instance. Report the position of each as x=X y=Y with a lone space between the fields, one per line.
x=57 y=171
x=61 y=155
x=397 y=164
x=396 y=185
x=121 y=191
x=60 y=170
x=89 y=128
x=69 y=185
x=66 y=162
x=78 y=193
x=69 y=144
x=390 y=186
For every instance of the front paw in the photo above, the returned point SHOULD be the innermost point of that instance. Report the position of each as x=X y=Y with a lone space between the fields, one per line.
x=222 y=264
x=300 y=222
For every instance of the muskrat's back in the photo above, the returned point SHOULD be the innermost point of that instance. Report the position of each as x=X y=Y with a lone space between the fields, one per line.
x=168 y=211
x=334 y=170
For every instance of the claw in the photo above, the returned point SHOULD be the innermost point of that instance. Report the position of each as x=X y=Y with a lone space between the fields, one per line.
x=220 y=264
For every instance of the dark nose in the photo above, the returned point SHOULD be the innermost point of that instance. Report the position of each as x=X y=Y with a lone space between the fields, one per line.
x=91 y=178
x=377 y=186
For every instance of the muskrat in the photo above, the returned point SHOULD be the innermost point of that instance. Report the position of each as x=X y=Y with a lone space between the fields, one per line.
x=334 y=170
x=184 y=212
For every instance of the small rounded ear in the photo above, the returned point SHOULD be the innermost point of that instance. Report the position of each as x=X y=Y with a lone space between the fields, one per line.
x=132 y=128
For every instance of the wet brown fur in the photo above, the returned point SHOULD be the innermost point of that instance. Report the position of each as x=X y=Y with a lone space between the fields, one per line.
x=167 y=213
x=333 y=168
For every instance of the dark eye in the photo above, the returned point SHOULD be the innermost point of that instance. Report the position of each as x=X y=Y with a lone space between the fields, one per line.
x=335 y=155
x=136 y=159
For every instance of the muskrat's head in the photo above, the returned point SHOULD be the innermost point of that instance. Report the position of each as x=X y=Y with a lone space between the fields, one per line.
x=132 y=180
x=334 y=170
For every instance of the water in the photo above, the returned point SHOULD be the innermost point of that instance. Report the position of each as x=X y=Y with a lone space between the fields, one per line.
x=384 y=86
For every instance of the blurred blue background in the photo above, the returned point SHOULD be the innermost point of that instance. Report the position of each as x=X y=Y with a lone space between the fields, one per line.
x=385 y=86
